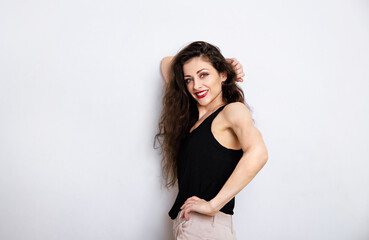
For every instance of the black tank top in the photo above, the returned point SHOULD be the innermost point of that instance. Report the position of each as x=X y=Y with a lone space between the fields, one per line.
x=204 y=166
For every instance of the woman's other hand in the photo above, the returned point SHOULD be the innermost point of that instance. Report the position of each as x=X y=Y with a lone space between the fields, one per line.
x=237 y=67
x=195 y=204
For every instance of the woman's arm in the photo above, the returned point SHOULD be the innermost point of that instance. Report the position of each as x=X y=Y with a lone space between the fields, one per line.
x=254 y=158
x=165 y=66
x=166 y=62
x=255 y=154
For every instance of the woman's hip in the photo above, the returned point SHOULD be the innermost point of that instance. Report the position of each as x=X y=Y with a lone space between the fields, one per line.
x=201 y=226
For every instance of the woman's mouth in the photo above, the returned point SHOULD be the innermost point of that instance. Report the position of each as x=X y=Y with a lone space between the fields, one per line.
x=202 y=93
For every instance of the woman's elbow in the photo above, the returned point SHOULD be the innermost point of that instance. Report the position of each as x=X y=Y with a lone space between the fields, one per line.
x=263 y=155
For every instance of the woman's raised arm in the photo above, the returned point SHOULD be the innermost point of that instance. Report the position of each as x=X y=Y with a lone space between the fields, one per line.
x=165 y=66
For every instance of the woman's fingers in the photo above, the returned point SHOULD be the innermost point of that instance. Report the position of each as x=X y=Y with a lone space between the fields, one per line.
x=232 y=61
x=187 y=202
x=237 y=67
x=188 y=206
x=188 y=209
x=241 y=75
x=194 y=198
x=196 y=204
x=239 y=72
x=190 y=200
x=185 y=212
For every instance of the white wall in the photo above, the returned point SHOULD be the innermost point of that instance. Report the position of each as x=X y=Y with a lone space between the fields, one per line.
x=80 y=99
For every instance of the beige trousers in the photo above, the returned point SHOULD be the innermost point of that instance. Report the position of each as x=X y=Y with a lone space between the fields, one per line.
x=204 y=227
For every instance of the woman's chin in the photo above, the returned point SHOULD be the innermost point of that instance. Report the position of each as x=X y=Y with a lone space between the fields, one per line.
x=202 y=103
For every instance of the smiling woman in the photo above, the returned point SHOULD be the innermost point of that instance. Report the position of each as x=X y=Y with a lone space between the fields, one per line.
x=209 y=142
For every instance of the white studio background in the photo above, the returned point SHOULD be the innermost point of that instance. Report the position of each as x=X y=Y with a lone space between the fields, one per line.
x=80 y=100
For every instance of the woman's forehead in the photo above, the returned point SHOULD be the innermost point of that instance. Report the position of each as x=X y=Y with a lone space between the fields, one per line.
x=196 y=64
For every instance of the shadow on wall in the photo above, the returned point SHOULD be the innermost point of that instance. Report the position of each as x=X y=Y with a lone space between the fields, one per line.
x=164 y=231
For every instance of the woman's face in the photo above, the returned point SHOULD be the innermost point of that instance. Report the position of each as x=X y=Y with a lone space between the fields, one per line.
x=203 y=81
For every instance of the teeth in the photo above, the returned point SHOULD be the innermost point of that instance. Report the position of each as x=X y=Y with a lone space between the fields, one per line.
x=202 y=93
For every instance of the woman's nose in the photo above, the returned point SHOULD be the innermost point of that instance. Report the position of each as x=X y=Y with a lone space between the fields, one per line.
x=197 y=83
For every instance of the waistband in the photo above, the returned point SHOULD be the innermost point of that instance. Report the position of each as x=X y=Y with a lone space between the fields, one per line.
x=220 y=217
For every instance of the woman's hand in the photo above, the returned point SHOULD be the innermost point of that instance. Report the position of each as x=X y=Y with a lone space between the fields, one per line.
x=237 y=67
x=199 y=205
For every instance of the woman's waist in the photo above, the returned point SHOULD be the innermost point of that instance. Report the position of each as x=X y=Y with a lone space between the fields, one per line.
x=195 y=217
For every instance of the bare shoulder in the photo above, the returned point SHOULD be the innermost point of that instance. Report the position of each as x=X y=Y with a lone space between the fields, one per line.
x=239 y=119
x=237 y=113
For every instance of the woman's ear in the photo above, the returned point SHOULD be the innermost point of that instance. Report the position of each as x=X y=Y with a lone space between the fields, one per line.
x=223 y=76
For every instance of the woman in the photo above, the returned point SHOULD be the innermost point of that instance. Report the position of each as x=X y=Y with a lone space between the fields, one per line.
x=208 y=139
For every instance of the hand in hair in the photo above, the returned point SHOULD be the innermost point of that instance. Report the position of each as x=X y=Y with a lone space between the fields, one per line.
x=237 y=67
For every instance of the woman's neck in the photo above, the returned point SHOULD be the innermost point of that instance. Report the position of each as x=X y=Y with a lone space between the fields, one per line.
x=208 y=109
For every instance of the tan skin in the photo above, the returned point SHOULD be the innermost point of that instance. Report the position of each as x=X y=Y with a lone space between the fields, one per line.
x=232 y=127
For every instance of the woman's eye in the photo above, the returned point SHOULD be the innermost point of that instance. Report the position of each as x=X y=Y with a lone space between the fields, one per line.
x=187 y=80
x=203 y=74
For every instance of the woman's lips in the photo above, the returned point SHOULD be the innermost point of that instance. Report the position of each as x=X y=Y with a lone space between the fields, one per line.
x=202 y=94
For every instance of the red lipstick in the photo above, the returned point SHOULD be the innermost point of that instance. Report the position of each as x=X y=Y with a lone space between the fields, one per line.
x=201 y=94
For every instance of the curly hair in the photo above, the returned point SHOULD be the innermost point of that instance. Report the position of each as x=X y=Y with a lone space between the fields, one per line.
x=180 y=110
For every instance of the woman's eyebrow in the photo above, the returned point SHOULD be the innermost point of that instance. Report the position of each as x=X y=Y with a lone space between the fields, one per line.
x=196 y=72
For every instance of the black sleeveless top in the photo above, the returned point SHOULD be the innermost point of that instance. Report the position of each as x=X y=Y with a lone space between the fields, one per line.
x=204 y=166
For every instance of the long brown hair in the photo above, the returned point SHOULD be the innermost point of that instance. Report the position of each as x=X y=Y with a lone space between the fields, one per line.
x=180 y=111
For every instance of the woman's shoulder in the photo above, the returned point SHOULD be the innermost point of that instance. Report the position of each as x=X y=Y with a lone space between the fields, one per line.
x=235 y=107
x=236 y=111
